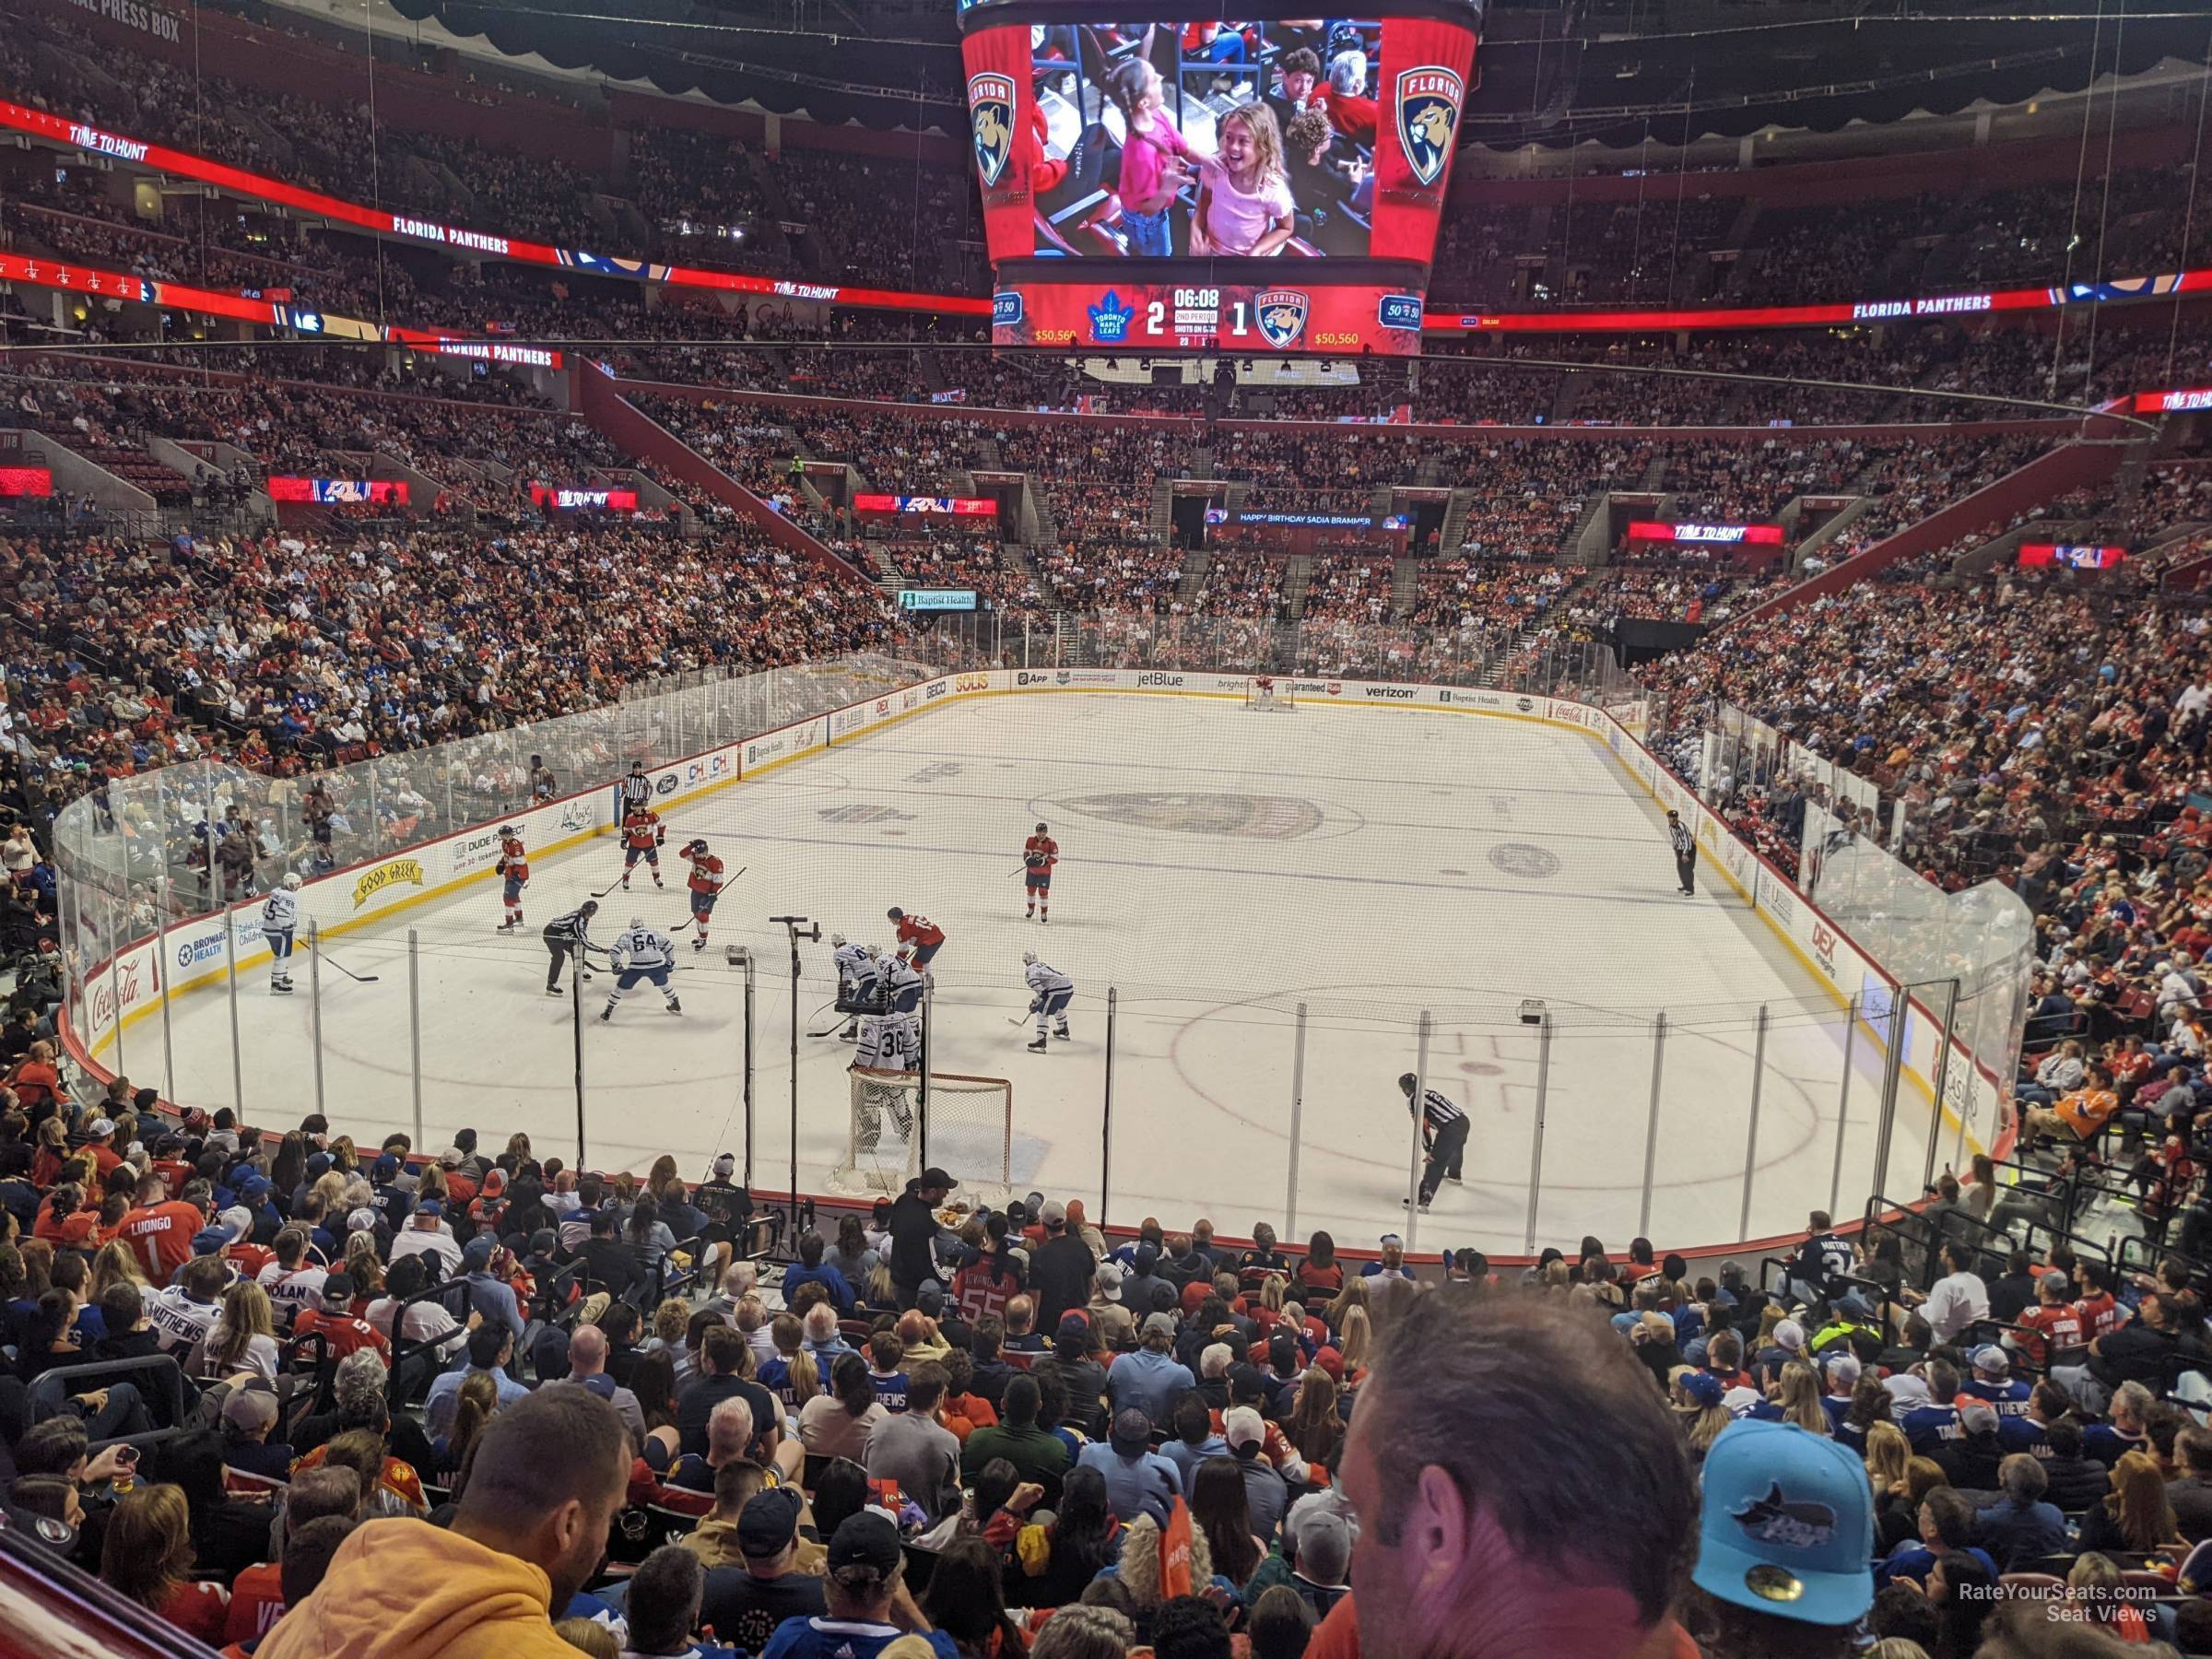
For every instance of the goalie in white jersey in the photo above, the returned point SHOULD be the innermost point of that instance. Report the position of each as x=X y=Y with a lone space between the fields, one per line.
x=279 y=926
x=641 y=953
x=1050 y=993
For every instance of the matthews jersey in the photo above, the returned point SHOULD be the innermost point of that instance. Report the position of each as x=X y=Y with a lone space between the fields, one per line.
x=281 y=912
x=514 y=862
x=641 y=948
x=706 y=872
x=642 y=828
x=1045 y=980
x=899 y=985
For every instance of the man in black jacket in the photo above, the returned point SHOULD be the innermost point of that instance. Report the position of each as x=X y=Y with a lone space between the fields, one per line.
x=608 y=1263
x=2137 y=1352
x=1061 y=1271
x=914 y=1229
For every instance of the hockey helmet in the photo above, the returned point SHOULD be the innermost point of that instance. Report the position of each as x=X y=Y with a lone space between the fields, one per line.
x=508 y=830
x=637 y=924
x=1407 y=1082
x=895 y=913
x=1029 y=959
x=291 y=881
x=1040 y=829
x=837 y=941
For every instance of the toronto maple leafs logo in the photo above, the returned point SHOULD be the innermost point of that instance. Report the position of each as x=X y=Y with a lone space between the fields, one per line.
x=1110 y=319
x=991 y=119
x=1791 y=1525
x=1428 y=103
x=1281 y=314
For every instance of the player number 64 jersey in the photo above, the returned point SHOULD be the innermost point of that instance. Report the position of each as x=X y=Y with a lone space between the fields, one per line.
x=643 y=948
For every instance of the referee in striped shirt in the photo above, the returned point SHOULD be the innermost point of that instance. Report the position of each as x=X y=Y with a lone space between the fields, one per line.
x=1444 y=1128
x=1686 y=852
x=569 y=936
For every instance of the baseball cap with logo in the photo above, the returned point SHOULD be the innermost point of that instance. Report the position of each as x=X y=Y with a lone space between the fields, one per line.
x=1788 y=1525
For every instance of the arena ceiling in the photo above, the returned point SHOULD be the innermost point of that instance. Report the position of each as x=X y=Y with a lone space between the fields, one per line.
x=1552 y=72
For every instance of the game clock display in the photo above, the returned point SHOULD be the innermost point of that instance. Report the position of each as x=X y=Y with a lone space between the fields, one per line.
x=1191 y=316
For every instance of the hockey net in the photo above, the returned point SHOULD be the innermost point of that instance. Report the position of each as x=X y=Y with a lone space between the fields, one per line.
x=970 y=1134
x=1264 y=691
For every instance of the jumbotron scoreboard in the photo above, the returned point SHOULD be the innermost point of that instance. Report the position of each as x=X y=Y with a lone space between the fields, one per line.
x=1158 y=181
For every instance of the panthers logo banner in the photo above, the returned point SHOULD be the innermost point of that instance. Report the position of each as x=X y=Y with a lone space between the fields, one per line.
x=1429 y=101
x=991 y=118
x=1281 y=314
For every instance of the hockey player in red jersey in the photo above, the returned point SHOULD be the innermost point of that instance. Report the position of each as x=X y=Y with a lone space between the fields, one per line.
x=919 y=938
x=706 y=886
x=514 y=867
x=643 y=833
x=1039 y=854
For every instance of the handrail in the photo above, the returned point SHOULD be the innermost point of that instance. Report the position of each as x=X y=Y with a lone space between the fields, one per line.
x=404 y=1348
x=162 y=1369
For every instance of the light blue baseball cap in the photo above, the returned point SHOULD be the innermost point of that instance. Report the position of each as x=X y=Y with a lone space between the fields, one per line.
x=1788 y=1524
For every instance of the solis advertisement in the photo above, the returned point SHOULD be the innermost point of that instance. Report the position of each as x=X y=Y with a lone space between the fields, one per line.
x=1245 y=184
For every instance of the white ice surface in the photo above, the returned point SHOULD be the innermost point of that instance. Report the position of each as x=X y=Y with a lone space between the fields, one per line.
x=1219 y=866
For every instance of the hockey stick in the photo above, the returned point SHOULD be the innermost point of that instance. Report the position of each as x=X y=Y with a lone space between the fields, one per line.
x=841 y=1020
x=366 y=979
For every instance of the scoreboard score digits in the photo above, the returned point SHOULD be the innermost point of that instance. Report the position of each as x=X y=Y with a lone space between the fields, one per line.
x=1167 y=316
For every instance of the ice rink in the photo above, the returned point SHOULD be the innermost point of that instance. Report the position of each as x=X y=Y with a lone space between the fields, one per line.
x=1220 y=868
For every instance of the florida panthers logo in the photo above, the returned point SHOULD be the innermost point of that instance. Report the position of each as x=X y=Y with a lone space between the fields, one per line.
x=991 y=117
x=1281 y=314
x=1428 y=104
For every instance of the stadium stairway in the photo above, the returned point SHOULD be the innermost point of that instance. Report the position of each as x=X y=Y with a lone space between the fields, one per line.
x=1162 y=517
x=76 y=474
x=597 y=399
x=1193 y=579
x=2068 y=466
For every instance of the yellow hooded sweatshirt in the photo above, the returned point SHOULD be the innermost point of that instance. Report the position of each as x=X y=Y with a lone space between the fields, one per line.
x=408 y=1590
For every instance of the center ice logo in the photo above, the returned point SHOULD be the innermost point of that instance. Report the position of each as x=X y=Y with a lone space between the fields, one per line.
x=1281 y=313
x=990 y=120
x=1429 y=101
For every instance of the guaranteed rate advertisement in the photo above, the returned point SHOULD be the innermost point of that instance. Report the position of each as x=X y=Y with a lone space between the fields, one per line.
x=1098 y=139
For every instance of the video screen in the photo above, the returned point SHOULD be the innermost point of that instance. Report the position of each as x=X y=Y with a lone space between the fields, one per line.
x=1216 y=138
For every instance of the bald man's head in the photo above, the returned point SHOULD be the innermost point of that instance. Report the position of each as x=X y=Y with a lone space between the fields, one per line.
x=587 y=1350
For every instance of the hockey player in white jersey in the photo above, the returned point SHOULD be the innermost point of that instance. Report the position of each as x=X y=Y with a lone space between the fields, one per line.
x=279 y=926
x=897 y=984
x=1050 y=993
x=641 y=953
x=855 y=980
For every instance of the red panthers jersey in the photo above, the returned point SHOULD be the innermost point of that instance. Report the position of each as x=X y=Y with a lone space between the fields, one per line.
x=515 y=860
x=642 y=828
x=706 y=872
x=1040 y=853
x=920 y=930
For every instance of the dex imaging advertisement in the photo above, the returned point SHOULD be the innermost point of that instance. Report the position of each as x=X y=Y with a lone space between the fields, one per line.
x=1095 y=137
